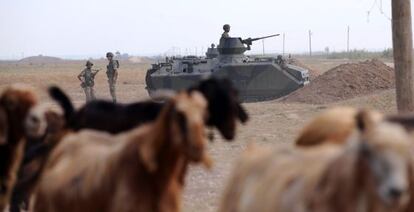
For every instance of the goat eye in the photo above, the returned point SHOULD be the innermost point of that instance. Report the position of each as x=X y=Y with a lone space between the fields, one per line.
x=34 y=119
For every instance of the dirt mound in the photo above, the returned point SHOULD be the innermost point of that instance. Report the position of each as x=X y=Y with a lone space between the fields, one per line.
x=40 y=59
x=140 y=60
x=344 y=82
x=312 y=73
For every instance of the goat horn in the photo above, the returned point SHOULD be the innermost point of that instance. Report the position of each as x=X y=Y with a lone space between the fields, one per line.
x=207 y=162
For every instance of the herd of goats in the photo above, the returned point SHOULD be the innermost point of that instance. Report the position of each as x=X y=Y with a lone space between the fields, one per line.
x=134 y=157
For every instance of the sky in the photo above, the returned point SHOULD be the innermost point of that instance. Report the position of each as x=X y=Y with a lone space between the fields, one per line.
x=90 y=28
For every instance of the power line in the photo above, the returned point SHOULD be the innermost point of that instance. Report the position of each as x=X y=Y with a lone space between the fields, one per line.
x=373 y=5
x=382 y=11
x=377 y=4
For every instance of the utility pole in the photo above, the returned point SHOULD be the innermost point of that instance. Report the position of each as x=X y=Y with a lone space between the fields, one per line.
x=263 y=47
x=403 y=47
x=310 y=43
x=347 y=40
x=283 y=52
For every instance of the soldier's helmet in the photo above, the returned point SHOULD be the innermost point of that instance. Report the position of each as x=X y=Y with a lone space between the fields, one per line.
x=109 y=54
x=89 y=63
x=226 y=27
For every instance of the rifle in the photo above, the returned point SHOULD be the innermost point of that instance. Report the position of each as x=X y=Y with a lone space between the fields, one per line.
x=96 y=71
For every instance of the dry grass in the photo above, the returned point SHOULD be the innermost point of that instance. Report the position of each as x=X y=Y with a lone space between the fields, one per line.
x=131 y=84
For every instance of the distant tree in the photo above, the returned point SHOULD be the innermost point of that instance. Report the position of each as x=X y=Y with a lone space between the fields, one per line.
x=387 y=53
x=327 y=50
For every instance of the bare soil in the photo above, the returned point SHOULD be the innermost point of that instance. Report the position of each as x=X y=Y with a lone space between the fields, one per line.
x=313 y=73
x=272 y=122
x=346 y=81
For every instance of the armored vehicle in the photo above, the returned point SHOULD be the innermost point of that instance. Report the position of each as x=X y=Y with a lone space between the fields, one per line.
x=256 y=78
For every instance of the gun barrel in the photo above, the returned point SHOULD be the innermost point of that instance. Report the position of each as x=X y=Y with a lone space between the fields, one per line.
x=255 y=39
x=249 y=41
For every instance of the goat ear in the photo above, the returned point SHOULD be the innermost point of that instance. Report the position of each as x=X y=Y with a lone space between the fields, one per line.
x=4 y=127
x=407 y=121
x=147 y=153
x=242 y=114
x=208 y=90
x=364 y=120
x=199 y=98
x=367 y=119
x=182 y=123
x=10 y=102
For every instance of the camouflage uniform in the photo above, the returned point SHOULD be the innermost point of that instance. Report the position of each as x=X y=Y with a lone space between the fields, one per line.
x=225 y=35
x=112 y=73
x=87 y=77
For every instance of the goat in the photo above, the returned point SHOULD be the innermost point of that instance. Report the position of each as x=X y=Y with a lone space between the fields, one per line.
x=333 y=125
x=407 y=121
x=319 y=130
x=15 y=103
x=44 y=127
x=223 y=106
x=372 y=167
x=137 y=170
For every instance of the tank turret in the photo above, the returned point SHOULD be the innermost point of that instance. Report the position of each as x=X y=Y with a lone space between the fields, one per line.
x=229 y=46
x=212 y=52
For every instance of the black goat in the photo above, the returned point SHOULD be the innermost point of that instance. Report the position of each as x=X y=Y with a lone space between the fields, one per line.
x=223 y=106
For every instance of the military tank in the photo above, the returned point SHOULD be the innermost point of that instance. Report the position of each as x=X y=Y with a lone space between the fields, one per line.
x=256 y=78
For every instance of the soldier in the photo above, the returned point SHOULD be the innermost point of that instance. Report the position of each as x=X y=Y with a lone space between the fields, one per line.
x=87 y=77
x=112 y=73
x=226 y=29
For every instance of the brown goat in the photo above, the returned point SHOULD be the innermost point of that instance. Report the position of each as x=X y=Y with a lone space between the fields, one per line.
x=373 y=167
x=336 y=124
x=138 y=170
x=333 y=125
x=407 y=121
x=4 y=128
x=44 y=128
x=15 y=103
